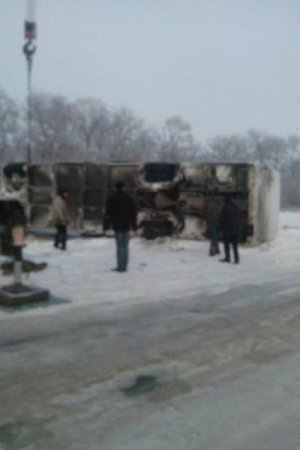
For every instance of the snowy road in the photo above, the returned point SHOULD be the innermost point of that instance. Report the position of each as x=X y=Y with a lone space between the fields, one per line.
x=227 y=372
x=226 y=357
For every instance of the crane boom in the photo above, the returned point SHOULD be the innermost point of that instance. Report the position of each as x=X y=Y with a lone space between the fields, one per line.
x=30 y=10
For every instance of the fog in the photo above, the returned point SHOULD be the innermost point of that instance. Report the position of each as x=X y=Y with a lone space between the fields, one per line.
x=224 y=66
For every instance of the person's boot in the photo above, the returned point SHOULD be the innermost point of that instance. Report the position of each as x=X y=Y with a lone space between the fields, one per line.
x=212 y=251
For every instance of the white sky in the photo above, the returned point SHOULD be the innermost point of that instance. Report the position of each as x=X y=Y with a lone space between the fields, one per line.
x=225 y=66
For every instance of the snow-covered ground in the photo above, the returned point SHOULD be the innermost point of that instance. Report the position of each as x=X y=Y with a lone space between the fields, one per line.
x=227 y=365
x=158 y=270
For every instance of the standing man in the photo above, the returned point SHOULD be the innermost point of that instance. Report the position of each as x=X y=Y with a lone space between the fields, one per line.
x=121 y=215
x=229 y=226
x=60 y=218
x=212 y=214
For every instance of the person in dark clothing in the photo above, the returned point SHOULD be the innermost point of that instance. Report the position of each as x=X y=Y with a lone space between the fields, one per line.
x=212 y=212
x=121 y=215
x=229 y=226
x=60 y=217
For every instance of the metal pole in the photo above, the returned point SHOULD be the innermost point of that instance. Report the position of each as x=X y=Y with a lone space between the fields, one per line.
x=29 y=111
x=18 y=264
x=29 y=50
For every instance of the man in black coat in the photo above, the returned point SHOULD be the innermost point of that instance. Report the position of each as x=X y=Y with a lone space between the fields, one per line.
x=229 y=228
x=121 y=215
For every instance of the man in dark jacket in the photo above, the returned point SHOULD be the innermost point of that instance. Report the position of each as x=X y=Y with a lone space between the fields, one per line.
x=121 y=215
x=212 y=213
x=60 y=218
x=229 y=227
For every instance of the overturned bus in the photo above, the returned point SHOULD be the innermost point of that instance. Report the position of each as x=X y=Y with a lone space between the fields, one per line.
x=172 y=199
x=179 y=198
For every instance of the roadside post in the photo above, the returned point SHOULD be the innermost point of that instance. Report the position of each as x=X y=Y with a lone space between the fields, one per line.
x=17 y=293
x=18 y=243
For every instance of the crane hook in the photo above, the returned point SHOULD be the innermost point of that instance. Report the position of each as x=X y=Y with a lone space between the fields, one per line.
x=29 y=48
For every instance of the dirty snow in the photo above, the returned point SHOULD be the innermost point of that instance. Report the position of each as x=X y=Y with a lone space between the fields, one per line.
x=158 y=270
x=241 y=386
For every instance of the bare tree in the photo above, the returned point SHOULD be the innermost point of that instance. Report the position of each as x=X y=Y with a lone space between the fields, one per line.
x=290 y=165
x=52 y=129
x=267 y=149
x=145 y=146
x=231 y=148
x=91 y=122
x=176 y=141
x=87 y=130
x=10 y=127
x=125 y=132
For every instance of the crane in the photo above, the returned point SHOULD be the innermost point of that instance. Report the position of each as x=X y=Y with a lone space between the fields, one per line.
x=29 y=49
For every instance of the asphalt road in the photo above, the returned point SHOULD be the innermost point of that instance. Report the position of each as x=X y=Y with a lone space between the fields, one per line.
x=223 y=371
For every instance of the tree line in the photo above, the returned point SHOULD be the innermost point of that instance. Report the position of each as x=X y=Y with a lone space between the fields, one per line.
x=87 y=130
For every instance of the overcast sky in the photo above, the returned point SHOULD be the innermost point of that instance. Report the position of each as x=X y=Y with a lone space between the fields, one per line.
x=224 y=66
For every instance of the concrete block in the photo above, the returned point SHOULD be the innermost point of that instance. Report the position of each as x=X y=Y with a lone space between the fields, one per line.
x=19 y=294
